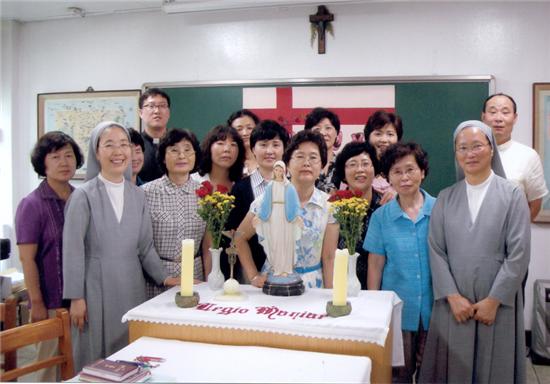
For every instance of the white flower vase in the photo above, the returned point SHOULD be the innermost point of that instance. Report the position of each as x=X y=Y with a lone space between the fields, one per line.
x=354 y=285
x=215 y=278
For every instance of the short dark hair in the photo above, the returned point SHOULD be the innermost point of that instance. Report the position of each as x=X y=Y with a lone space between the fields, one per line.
x=222 y=132
x=136 y=139
x=172 y=137
x=397 y=151
x=306 y=136
x=269 y=130
x=379 y=120
x=500 y=94
x=350 y=150
x=153 y=92
x=241 y=113
x=51 y=142
x=317 y=114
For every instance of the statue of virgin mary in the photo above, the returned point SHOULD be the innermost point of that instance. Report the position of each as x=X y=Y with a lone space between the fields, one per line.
x=279 y=224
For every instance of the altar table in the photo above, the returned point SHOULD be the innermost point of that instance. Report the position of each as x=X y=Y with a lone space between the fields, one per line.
x=373 y=328
x=188 y=362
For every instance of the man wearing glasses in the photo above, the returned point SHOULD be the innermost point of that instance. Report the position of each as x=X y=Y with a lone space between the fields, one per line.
x=154 y=110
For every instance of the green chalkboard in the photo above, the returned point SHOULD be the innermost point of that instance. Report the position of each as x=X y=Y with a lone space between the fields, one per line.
x=430 y=109
x=201 y=108
x=430 y=113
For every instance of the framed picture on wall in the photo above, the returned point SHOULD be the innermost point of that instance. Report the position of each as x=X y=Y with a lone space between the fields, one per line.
x=77 y=113
x=541 y=138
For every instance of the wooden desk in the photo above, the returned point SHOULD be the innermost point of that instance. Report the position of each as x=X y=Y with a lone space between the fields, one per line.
x=366 y=332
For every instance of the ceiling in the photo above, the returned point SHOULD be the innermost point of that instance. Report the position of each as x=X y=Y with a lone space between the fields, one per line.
x=36 y=10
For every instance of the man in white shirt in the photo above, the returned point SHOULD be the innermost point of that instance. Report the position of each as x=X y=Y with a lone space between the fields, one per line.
x=154 y=110
x=521 y=163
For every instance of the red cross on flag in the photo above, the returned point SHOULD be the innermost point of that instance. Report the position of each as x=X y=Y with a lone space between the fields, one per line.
x=290 y=105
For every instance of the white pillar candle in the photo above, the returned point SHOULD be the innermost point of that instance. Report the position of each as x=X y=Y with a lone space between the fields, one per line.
x=187 y=264
x=340 y=277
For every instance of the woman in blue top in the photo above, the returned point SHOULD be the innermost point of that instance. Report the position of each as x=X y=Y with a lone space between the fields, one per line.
x=397 y=241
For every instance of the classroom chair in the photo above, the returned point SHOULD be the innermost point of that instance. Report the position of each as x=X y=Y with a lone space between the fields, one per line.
x=8 y=317
x=15 y=338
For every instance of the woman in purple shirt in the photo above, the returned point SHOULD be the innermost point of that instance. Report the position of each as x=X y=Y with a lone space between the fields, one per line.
x=39 y=229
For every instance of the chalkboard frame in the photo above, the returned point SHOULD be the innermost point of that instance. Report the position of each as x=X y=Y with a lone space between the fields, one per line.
x=328 y=80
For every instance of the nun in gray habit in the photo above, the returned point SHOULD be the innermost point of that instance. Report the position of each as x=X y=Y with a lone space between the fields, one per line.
x=479 y=243
x=107 y=246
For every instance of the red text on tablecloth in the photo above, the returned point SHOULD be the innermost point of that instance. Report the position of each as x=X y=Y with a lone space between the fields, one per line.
x=271 y=312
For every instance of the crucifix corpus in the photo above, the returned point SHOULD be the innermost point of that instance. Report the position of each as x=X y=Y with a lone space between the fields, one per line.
x=321 y=23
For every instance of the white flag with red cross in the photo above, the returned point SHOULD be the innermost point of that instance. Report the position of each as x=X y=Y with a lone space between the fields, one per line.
x=290 y=105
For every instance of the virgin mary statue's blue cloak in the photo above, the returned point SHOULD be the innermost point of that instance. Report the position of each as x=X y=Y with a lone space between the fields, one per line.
x=292 y=203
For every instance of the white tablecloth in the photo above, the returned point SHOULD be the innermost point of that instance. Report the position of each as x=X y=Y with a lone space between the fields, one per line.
x=305 y=315
x=199 y=362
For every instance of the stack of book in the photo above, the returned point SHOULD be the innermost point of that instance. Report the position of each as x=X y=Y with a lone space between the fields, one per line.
x=114 y=371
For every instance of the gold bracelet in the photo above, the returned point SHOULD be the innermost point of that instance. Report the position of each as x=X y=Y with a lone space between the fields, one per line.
x=255 y=277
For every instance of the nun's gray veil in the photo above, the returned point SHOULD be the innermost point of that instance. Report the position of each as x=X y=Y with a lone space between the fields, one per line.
x=92 y=164
x=496 y=164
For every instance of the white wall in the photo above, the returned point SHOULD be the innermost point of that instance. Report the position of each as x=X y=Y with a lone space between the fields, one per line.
x=507 y=40
x=8 y=80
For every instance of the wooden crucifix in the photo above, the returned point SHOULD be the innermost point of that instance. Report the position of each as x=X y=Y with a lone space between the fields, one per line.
x=320 y=23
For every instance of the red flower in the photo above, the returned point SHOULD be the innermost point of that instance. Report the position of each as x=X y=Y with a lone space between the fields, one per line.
x=201 y=192
x=208 y=185
x=341 y=195
x=222 y=188
x=206 y=188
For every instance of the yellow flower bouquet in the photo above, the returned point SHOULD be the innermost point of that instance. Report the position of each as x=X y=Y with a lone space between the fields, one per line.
x=214 y=209
x=349 y=209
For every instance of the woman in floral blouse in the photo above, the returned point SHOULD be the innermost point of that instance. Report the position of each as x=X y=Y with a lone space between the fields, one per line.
x=305 y=156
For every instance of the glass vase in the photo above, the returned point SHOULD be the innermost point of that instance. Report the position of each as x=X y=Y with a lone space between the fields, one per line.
x=215 y=277
x=354 y=285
